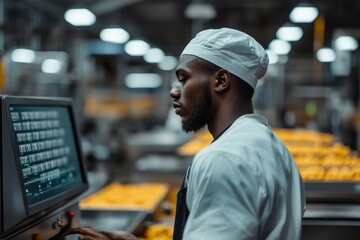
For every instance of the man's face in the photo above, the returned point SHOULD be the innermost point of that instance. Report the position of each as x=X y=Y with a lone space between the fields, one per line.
x=191 y=94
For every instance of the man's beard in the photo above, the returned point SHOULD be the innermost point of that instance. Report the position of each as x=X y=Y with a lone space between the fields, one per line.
x=198 y=118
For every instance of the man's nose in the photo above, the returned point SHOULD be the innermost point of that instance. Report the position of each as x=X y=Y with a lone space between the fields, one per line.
x=175 y=91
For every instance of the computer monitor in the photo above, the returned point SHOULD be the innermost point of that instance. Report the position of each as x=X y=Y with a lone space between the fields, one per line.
x=42 y=164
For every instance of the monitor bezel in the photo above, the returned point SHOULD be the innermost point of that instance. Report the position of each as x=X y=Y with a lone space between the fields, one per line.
x=63 y=197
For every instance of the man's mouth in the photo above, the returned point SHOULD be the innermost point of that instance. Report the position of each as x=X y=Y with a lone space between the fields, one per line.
x=177 y=108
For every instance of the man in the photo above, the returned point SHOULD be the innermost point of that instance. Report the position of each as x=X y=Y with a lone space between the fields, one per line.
x=245 y=184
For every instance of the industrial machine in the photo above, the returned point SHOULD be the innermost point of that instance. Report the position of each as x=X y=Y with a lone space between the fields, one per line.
x=42 y=170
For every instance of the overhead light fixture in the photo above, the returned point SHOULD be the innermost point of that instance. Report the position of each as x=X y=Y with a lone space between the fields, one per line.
x=280 y=47
x=273 y=57
x=154 y=55
x=325 y=55
x=200 y=11
x=304 y=13
x=22 y=55
x=289 y=32
x=114 y=35
x=168 y=63
x=143 y=80
x=80 y=17
x=346 y=43
x=136 y=47
x=51 y=66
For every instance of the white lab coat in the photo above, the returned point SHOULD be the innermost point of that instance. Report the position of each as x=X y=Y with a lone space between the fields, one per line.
x=245 y=185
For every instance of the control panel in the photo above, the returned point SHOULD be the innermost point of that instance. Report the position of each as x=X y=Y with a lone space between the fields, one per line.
x=52 y=227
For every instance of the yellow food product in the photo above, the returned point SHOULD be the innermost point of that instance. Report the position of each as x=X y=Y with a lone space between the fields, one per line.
x=339 y=174
x=158 y=232
x=319 y=156
x=312 y=173
x=356 y=173
x=126 y=196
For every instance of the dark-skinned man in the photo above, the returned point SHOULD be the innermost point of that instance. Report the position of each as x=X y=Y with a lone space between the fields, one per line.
x=245 y=184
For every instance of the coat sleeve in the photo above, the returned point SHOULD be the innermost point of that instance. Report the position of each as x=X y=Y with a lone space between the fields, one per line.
x=223 y=199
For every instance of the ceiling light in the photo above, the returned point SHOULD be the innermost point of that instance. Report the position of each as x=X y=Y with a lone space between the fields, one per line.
x=154 y=55
x=51 y=66
x=143 y=80
x=280 y=47
x=80 y=17
x=114 y=35
x=289 y=33
x=325 y=55
x=273 y=57
x=200 y=11
x=346 y=43
x=304 y=13
x=168 y=63
x=136 y=48
x=23 y=55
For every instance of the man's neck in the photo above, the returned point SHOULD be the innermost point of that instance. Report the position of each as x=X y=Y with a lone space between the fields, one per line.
x=223 y=121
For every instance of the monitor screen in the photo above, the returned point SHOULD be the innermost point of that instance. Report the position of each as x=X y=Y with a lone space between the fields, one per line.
x=47 y=150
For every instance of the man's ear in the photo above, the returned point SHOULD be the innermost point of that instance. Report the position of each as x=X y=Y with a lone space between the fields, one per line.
x=222 y=81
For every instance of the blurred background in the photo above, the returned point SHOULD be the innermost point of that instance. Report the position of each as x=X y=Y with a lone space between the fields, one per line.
x=116 y=58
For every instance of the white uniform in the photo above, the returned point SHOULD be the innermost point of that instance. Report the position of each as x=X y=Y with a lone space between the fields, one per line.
x=245 y=185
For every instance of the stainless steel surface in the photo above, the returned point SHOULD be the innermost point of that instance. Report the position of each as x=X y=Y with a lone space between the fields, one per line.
x=162 y=163
x=332 y=211
x=158 y=141
x=113 y=220
x=331 y=221
x=327 y=192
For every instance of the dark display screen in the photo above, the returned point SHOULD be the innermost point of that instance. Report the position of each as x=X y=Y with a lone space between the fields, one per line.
x=47 y=149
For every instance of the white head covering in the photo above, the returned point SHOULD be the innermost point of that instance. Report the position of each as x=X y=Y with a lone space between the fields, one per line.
x=232 y=50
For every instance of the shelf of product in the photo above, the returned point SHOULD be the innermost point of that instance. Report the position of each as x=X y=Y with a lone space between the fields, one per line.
x=318 y=155
x=117 y=196
x=127 y=207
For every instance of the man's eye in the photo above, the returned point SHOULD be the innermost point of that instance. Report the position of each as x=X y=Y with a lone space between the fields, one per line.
x=182 y=80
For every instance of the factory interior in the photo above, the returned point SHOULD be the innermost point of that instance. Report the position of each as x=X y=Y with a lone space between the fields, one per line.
x=115 y=61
